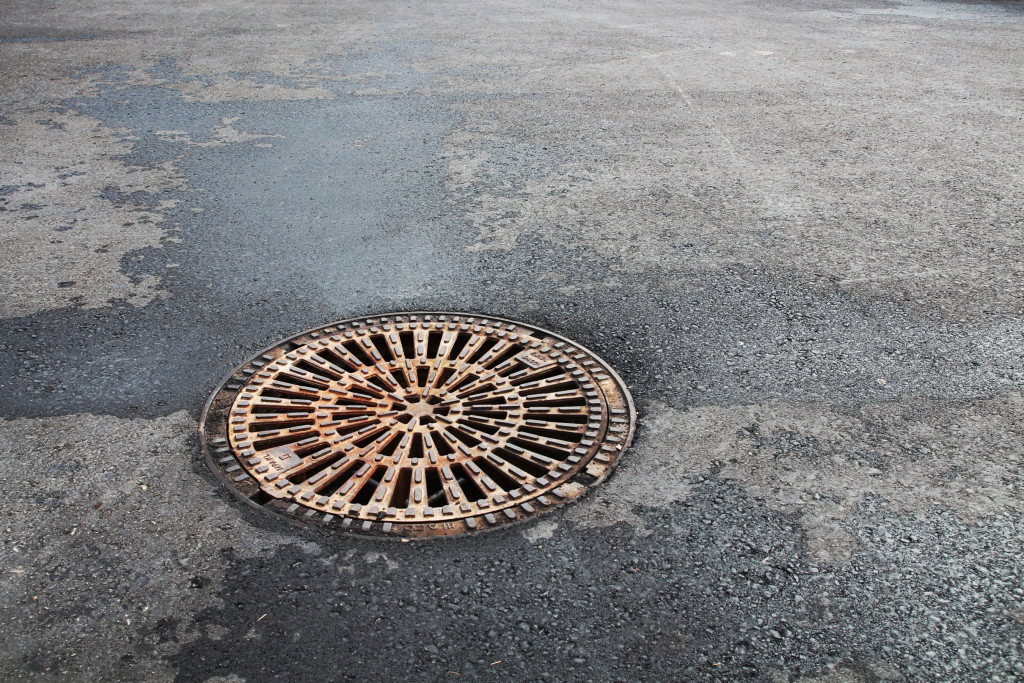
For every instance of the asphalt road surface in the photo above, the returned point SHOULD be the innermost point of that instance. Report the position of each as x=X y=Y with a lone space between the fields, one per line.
x=794 y=228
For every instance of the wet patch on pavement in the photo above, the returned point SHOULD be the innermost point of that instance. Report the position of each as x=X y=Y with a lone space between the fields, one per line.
x=733 y=338
x=720 y=589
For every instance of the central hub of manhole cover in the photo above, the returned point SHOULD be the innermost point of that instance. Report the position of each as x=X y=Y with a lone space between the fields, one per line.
x=418 y=424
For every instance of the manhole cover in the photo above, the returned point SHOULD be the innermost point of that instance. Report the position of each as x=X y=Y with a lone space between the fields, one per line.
x=418 y=424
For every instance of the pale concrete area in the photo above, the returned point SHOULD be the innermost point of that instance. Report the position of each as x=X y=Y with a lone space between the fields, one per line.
x=794 y=228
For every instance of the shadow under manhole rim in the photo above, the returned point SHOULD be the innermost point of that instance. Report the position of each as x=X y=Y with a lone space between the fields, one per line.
x=417 y=424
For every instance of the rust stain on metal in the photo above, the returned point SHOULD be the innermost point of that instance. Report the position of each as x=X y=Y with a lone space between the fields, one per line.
x=418 y=424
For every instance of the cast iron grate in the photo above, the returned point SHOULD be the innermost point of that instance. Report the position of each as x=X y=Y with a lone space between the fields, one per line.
x=418 y=424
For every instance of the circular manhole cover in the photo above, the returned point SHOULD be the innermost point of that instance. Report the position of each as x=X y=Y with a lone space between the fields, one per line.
x=417 y=424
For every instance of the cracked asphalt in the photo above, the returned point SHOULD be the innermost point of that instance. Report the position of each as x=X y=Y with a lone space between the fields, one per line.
x=794 y=228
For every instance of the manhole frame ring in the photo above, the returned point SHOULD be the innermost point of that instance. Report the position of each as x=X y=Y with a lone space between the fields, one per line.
x=307 y=518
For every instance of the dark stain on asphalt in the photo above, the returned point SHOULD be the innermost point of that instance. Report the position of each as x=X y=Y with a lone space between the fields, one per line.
x=728 y=338
x=347 y=214
x=497 y=607
x=720 y=590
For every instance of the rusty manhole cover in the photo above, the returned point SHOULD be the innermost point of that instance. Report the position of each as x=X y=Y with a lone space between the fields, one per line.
x=418 y=424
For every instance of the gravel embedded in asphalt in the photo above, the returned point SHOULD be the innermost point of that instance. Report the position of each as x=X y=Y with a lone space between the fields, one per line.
x=794 y=229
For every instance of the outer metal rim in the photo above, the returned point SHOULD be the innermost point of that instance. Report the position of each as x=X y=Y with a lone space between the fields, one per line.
x=304 y=517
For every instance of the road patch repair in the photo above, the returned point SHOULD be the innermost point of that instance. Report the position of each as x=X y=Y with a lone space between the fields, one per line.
x=418 y=424
x=793 y=229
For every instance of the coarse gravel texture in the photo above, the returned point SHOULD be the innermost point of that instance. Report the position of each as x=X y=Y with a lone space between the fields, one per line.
x=794 y=228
